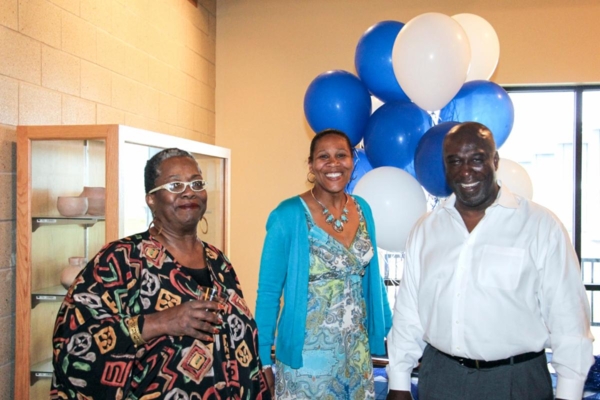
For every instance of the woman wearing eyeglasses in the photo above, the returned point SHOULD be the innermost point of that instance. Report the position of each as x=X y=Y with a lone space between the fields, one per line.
x=134 y=323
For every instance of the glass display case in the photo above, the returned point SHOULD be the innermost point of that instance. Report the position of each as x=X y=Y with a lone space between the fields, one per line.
x=59 y=223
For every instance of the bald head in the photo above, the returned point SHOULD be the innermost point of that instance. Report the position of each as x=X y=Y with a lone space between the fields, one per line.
x=471 y=132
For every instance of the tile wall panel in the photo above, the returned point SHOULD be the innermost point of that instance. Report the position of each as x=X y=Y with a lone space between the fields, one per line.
x=41 y=20
x=21 y=56
x=38 y=106
x=78 y=37
x=96 y=83
x=8 y=14
x=8 y=154
x=9 y=101
x=61 y=71
x=77 y=111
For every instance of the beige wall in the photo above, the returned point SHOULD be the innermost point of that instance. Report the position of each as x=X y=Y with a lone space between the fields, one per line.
x=270 y=50
x=144 y=63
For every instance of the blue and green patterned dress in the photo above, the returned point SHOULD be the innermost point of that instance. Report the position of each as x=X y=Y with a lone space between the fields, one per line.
x=336 y=356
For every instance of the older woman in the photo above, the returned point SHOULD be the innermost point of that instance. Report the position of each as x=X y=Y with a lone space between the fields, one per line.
x=320 y=254
x=133 y=324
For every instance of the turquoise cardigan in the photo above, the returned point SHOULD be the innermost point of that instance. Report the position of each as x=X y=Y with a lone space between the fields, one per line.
x=284 y=269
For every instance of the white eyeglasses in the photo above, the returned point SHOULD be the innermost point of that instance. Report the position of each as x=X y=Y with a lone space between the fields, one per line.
x=179 y=187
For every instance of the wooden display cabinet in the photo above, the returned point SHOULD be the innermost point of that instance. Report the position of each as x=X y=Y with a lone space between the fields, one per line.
x=57 y=161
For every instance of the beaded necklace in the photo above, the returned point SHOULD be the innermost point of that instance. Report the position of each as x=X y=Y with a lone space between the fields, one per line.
x=337 y=224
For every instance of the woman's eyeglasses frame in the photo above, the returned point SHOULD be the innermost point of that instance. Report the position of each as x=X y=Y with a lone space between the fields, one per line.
x=168 y=186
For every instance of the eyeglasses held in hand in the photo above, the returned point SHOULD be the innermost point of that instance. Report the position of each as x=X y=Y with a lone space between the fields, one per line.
x=179 y=187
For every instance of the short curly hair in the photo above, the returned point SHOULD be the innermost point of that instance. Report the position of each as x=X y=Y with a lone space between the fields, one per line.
x=152 y=169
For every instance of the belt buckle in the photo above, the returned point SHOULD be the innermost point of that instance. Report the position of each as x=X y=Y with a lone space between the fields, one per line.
x=477 y=364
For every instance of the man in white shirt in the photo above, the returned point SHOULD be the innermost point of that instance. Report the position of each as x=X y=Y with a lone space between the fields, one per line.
x=490 y=280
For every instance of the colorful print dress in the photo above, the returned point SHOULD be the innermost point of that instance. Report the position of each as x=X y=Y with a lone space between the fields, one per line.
x=337 y=360
x=95 y=358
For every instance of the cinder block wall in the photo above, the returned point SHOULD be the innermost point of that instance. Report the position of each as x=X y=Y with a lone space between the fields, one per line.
x=144 y=63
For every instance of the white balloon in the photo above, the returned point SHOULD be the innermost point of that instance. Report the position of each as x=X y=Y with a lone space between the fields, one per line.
x=485 y=46
x=375 y=104
x=515 y=177
x=431 y=58
x=397 y=201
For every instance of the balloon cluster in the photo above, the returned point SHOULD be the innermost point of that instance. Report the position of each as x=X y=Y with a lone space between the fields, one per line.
x=428 y=75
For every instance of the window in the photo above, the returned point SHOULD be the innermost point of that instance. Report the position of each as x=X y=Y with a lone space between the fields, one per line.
x=556 y=138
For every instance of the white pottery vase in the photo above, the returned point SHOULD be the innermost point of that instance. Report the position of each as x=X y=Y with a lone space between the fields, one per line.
x=70 y=272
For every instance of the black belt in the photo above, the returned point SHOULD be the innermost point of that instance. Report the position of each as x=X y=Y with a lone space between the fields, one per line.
x=480 y=364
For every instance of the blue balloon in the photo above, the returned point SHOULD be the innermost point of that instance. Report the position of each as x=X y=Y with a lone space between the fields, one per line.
x=410 y=168
x=393 y=133
x=484 y=102
x=361 y=167
x=429 y=161
x=339 y=100
x=373 y=61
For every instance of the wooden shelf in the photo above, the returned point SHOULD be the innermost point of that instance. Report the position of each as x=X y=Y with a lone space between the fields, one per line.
x=52 y=293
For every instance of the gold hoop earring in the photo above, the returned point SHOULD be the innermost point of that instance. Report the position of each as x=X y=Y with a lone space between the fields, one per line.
x=153 y=225
x=204 y=231
x=308 y=177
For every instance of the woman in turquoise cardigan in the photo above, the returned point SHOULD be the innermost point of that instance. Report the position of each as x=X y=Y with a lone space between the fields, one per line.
x=320 y=261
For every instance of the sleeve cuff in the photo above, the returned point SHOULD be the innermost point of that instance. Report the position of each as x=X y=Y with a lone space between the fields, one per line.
x=570 y=389
x=398 y=380
x=264 y=352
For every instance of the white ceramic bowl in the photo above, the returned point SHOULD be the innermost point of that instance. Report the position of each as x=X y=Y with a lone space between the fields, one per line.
x=68 y=275
x=96 y=199
x=72 y=206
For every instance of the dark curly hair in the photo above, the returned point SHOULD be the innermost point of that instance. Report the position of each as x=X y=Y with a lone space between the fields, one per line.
x=152 y=172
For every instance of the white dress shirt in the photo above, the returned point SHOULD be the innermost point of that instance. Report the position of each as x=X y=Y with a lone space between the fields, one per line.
x=511 y=286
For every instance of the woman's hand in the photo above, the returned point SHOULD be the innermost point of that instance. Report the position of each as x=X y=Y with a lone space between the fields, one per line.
x=270 y=380
x=198 y=319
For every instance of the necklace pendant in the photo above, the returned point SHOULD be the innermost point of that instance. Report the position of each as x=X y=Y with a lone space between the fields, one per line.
x=338 y=225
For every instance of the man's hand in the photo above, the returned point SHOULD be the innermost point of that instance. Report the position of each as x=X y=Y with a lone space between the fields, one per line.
x=399 y=395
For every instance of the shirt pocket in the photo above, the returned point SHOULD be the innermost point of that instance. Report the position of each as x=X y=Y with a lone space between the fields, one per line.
x=500 y=267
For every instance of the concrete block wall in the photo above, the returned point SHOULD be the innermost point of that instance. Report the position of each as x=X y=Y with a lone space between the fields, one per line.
x=144 y=63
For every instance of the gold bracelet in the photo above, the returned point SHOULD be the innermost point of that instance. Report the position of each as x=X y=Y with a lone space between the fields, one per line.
x=134 y=331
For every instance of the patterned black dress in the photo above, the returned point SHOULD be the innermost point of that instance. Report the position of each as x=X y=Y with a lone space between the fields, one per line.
x=95 y=358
